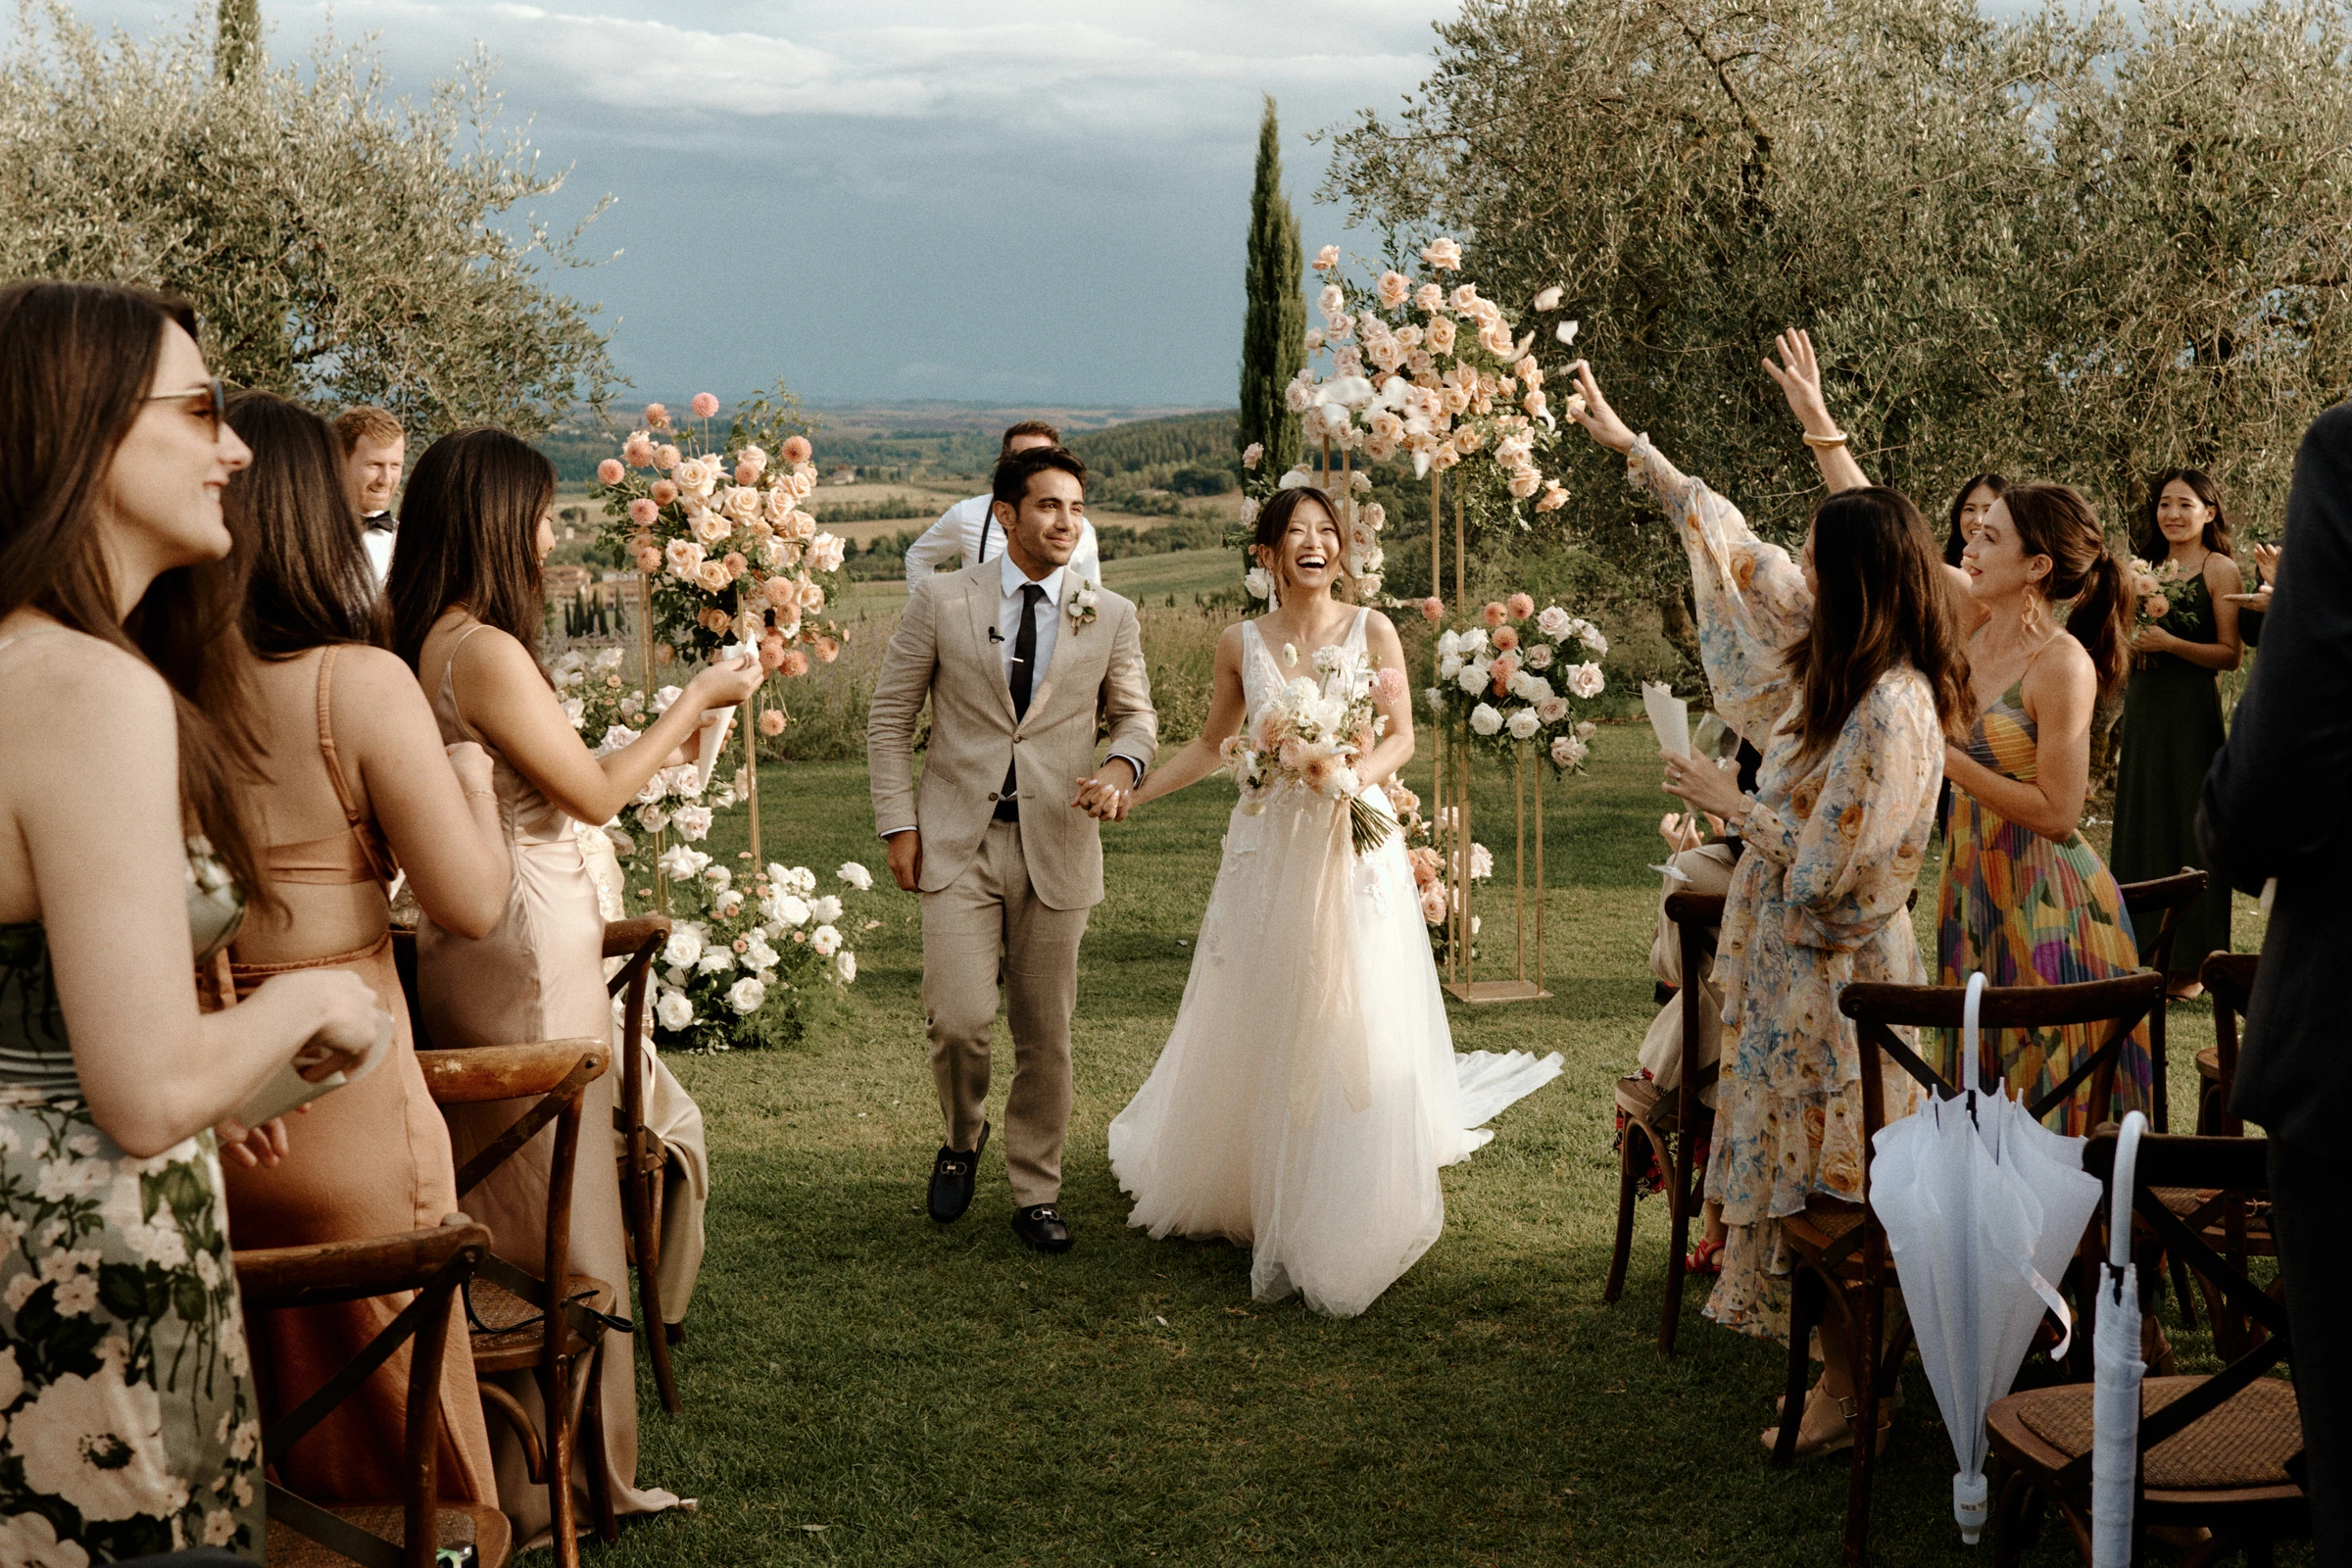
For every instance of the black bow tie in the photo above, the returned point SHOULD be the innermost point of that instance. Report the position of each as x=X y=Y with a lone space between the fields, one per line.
x=384 y=521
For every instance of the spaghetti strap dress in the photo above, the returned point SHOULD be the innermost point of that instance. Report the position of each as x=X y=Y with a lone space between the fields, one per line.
x=2027 y=912
x=125 y=1381
x=369 y=1160
x=538 y=975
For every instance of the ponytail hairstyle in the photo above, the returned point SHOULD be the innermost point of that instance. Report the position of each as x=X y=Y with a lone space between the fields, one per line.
x=2152 y=543
x=468 y=535
x=1881 y=604
x=2054 y=520
x=75 y=363
x=1954 y=541
x=1274 y=521
x=306 y=579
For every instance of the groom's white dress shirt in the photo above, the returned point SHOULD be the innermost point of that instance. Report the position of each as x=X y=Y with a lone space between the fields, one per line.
x=1049 y=614
x=969 y=529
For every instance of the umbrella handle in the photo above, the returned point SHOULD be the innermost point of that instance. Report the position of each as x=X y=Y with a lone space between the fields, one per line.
x=2126 y=1179
x=1973 y=1062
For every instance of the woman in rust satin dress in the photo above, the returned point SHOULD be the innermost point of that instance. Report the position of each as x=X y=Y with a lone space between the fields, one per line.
x=357 y=774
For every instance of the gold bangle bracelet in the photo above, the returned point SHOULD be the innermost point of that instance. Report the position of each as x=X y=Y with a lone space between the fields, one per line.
x=481 y=794
x=1821 y=442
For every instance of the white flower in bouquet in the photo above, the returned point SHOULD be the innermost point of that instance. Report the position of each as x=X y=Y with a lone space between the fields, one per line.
x=845 y=964
x=652 y=818
x=1449 y=645
x=685 y=947
x=1539 y=656
x=653 y=789
x=1585 y=730
x=799 y=879
x=617 y=736
x=827 y=909
x=1474 y=642
x=1552 y=621
x=856 y=875
x=1523 y=724
x=692 y=822
x=1436 y=699
x=825 y=939
x=825 y=552
x=682 y=864
x=715 y=960
x=1552 y=710
x=719 y=879
x=786 y=908
x=1482 y=864
x=574 y=709
x=1475 y=678
x=727 y=905
x=1485 y=719
x=675 y=1011
x=746 y=995
x=1257 y=584
x=607 y=658
x=665 y=697
x=1298 y=478
x=1567 y=751
x=684 y=779
x=1584 y=680
x=1449 y=665
x=758 y=954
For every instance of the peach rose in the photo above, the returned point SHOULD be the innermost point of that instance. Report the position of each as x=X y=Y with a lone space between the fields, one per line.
x=638 y=452
x=794 y=664
x=656 y=416
x=1521 y=606
x=1442 y=254
x=705 y=405
x=649 y=560
x=1439 y=336
x=797 y=449
x=1327 y=258
x=643 y=511
x=1492 y=614
x=771 y=722
x=1433 y=905
x=827 y=650
x=712 y=618
x=1433 y=610
x=1506 y=638
x=1394 y=288
x=609 y=471
x=713 y=576
x=665 y=654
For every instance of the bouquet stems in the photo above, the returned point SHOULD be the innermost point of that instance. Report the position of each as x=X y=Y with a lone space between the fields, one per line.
x=1369 y=828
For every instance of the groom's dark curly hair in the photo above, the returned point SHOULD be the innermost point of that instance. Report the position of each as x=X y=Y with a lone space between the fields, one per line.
x=1013 y=473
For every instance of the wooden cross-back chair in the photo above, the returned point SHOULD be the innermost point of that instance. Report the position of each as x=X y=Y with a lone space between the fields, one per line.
x=2157 y=907
x=404 y=1532
x=1839 y=1248
x=1669 y=1127
x=643 y=1156
x=2219 y=1452
x=521 y=1324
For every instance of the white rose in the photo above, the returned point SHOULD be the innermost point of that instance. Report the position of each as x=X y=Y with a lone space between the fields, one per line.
x=716 y=960
x=685 y=947
x=692 y=822
x=757 y=955
x=617 y=736
x=1584 y=680
x=1257 y=584
x=1568 y=751
x=845 y=964
x=1436 y=699
x=682 y=864
x=652 y=818
x=1474 y=679
x=719 y=879
x=1485 y=719
x=665 y=697
x=825 y=939
x=674 y=1010
x=785 y=909
x=1539 y=656
x=827 y=909
x=727 y=905
x=856 y=876
x=1449 y=643
x=575 y=708
x=1552 y=621
x=799 y=879
x=1449 y=665
x=1552 y=710
x=1523 y=725
x=744 y=996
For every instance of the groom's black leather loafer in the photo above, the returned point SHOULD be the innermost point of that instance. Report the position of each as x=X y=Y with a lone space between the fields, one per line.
x=952 y=1178
x=1042 y=1226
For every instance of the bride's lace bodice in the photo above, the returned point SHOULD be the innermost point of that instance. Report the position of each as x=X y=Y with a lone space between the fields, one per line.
x=1262 y=675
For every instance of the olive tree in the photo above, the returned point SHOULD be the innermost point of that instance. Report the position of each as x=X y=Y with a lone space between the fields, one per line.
x=340 y=246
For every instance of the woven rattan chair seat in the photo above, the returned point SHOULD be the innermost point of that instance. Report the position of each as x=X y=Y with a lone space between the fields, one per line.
x=2244 y=1444
x=461 y=1524
x=513 y=1336
x=1825 y=1222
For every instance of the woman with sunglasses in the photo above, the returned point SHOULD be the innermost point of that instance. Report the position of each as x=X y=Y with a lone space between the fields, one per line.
x=125 y=865
x=355 y=790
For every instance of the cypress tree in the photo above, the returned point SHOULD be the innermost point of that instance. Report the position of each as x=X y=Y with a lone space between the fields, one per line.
x=1274 y=325
x=238 y=42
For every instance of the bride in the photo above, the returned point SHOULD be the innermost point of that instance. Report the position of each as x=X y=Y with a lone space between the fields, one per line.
x=1310 y=1090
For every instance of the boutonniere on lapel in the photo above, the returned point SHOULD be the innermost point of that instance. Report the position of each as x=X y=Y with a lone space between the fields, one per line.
x=1082 y=602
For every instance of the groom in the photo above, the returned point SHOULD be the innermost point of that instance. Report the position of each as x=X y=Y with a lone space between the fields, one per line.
x=1018 y=658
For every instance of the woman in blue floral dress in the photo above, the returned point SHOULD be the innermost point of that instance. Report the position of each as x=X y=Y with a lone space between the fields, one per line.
x=127 y=1414
x=1844 y=670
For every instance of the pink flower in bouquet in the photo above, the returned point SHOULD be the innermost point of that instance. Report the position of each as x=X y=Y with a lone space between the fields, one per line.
x=1228 y=749
x=643 y=513
x=783 y=593
x=813 y=596
x=667 y=457
x=1388 y=686
x=1465 y=300
x=1393 y=288
x=1442 y=254
x=1324 y=773
x=741 y=502
x=1429 y=299
x=1585 y=680
x=1552 y=710
x=1505 y=666
x=1403 y=801
x=771 y=722
x=734 y=563
x=1529 y=372
x=638 y=451
x=1433 y=905
x=685 y=559
x=1424 y=863
x=665 y=492
x=756 y=456
x=794 y=665
x=1327 y=258
x=771 y=650
x=827 y=650
x=1252 y=454
x=745 y=473
x=1433 y=610
x=1534 y=403
x=713 y=576
x=1439 y=336
x=1521 y=606
x=1445 y=456
x=1506 y=638
x=1567 y=751
x=609 y=471
x=797 y=449
x=1525 y=482
x=1493 y=613
x=649 y=558
x=1556 y=496
x=800 y=525
x=2158 y=607
x=712 y=618
x=1539 y=656
x=656 y=416
x=705 y=405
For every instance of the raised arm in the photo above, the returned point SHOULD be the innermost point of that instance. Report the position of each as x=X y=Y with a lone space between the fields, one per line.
x=440 y=818
x=503 y=695
x=1798 y=375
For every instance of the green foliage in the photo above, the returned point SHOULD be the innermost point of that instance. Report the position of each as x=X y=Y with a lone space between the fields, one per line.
x=1274 y=322
x=2074 y=246
x=340 y=247
x=1145 y=447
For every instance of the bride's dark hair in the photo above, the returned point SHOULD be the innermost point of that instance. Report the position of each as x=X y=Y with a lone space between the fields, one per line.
x=1882 y=602
x=76 y=361
x=1274 y=521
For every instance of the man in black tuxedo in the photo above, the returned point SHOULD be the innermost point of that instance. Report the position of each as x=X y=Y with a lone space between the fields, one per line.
x=2274 y=808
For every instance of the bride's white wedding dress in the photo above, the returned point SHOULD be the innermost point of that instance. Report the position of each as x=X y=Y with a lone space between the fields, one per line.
x=1310 y=1090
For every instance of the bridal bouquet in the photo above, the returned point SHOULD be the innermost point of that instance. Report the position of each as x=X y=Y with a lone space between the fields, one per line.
x=2151 y=603
x=1506 y=667
x=1308 y=737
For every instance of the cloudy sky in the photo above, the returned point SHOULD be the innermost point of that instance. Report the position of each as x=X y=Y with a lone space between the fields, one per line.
x=1033 y=201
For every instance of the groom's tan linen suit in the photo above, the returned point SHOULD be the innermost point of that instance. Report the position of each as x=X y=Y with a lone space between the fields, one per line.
x=1004 y=899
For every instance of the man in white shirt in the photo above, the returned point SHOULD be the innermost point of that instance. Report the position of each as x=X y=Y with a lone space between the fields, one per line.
x=375 y=451
x=968 y=530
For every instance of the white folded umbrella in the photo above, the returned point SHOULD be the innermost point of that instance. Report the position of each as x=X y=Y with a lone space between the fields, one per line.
x=1982 y=1207
x=2117 y=1369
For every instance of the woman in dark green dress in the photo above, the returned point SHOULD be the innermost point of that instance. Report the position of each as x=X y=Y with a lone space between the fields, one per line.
x=2173 y=710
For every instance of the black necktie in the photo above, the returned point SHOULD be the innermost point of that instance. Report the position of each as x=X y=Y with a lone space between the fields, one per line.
x=1023 y=679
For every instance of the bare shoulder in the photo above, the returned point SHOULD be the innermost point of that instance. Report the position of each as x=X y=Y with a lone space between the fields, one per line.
x=374 y=687
x=2223 y=575
x=1381 y=630
x=71 y=674
x=2063 y=669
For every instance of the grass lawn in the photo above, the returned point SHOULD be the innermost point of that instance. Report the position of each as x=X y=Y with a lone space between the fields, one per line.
x=863 y=1386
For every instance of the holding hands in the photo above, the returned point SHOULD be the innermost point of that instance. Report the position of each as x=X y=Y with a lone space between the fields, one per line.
x=1102 y=797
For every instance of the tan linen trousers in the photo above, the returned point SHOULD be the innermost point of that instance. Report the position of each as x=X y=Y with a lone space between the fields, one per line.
x=987 y=925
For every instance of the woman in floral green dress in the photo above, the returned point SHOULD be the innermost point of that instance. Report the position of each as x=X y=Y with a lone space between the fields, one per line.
x=126 y=1399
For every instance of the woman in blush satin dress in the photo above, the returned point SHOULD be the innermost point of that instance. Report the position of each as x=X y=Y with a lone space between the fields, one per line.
x=467 y=611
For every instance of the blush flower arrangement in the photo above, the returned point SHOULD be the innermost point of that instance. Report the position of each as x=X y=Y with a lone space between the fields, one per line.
x=1308 y=737
x=2151 y=592
x=737 y=971
x=1516 y=676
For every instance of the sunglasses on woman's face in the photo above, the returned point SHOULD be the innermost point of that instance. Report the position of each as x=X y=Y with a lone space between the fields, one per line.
x=206 y=402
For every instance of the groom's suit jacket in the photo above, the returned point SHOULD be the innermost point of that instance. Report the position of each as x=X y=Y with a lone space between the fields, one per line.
x=942 y=649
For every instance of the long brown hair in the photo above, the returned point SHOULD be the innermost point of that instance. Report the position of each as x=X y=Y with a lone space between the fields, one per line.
x=1882 y=602
x=1274 y=521
x=305 y=574
x=468 y=531
x=2055 y=520
x=2153 y=543
x=76 y=362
